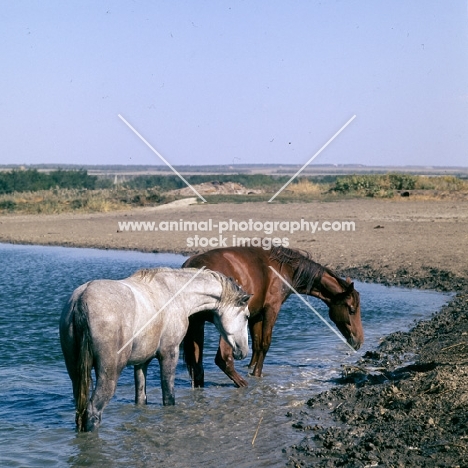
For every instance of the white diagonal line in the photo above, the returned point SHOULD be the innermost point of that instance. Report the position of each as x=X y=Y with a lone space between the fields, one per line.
x=342 y=338
x=312 y=158
x=161 y=157
x=160 y=310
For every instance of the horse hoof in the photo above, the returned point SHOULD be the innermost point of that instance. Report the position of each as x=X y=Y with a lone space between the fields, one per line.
x=92 y=424
x=240 y=382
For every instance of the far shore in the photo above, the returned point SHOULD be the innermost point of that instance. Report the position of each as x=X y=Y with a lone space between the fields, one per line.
x=396 y=241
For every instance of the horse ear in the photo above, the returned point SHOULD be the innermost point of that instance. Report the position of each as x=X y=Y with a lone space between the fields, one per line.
x=348 y=280
x=350 y=287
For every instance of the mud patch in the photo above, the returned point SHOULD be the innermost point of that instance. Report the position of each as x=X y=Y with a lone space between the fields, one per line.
x=404 y=404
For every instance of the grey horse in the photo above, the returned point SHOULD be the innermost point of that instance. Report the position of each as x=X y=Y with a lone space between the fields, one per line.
x=108 y=324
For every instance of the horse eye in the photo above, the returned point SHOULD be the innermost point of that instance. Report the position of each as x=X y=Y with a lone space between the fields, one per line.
x=352 y=310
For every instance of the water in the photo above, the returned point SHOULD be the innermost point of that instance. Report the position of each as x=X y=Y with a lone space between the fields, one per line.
x=209 y=427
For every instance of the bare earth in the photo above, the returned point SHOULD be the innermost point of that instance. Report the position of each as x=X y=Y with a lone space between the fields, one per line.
x=398 y=415
x=389 y=235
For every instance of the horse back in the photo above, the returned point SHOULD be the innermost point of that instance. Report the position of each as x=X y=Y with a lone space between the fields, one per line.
x=248 y=266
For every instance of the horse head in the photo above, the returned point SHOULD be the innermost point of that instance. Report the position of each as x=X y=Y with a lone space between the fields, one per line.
x=345 y=312
x=232 y=318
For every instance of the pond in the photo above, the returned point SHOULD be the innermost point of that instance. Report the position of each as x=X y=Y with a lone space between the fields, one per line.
x=209 y=427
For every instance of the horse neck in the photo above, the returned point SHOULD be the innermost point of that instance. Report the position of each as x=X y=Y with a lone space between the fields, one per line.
x=203 y=296
x=306 y=280
x=325 y=286
x=309 y=277
x=329 y=287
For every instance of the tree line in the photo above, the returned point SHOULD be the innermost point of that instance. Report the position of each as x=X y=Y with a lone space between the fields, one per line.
x=32 y=180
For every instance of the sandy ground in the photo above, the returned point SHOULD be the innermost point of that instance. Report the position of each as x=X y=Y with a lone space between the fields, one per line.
x=403 y=405
x=389 y=236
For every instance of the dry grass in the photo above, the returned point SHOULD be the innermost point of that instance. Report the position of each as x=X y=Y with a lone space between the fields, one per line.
x=439 y=188
x=434 y=195
x=442 y=183
x=306 y=187
x=78 y=200
x=56 y=201
x=392 y=185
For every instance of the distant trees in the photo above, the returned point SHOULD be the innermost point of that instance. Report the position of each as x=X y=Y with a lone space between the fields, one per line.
x=32 y=180
x=172 y=182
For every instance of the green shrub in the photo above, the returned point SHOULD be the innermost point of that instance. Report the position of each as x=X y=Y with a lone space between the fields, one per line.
x=32 y=180
x=374 y=185
x=173 y=182
x=7 y=205
x=402 y=181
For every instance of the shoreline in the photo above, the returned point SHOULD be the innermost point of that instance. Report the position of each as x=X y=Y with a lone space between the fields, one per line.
x=402 y=405
x=384 y=411
x=402 y=238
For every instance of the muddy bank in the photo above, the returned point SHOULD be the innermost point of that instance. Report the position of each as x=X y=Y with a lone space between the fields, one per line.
x=404 y=405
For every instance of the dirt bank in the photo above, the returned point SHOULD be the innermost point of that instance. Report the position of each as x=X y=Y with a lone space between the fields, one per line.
x=403 y=405
x=402 y=238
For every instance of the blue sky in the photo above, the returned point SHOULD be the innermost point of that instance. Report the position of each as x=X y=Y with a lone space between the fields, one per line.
x=223 y=82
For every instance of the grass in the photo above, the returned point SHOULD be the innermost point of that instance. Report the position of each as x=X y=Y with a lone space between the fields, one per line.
x=391 y=185
x=445 y=183
x=307 y=187
x=172 y=182
x=305 y=190
x=79 y=200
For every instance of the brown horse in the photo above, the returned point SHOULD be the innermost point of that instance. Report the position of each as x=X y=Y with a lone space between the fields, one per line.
x=249 y=266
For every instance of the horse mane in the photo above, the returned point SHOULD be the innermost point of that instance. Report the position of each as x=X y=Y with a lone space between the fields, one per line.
x=306 y=273
x=149 y=273
x=231 y=292
x=345 y=285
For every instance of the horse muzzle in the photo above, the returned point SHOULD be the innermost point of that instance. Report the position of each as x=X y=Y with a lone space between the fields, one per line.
x=355 y=344
x=240 y=352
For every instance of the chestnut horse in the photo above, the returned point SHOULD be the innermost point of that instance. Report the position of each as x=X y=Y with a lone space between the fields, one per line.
x=249 y=267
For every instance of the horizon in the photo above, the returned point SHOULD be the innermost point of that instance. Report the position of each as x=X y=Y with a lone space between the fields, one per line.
x=237 y=165
x=317 y=170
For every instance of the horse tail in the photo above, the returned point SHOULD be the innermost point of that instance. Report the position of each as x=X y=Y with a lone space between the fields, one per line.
x=193 y=349
x=188 y=356
x=84 y=362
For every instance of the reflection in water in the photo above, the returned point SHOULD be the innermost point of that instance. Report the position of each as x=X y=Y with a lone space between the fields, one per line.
x=91 y=450
x=213 y=426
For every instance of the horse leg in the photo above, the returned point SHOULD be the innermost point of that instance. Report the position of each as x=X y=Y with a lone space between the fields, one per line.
x=167 y=363
x=193 y=351
x=255 y=327
x=271 y=313
x=106 y=382
x=139 y=372
x=225 y=361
